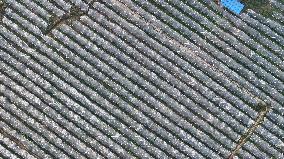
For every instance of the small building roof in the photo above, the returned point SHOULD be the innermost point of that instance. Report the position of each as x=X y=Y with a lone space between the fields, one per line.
x=233 y=5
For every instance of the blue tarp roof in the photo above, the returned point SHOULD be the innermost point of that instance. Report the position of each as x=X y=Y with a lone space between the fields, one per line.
x=233 y=5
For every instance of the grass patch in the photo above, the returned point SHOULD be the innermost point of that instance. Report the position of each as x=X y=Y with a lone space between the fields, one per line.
x=263 y=7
